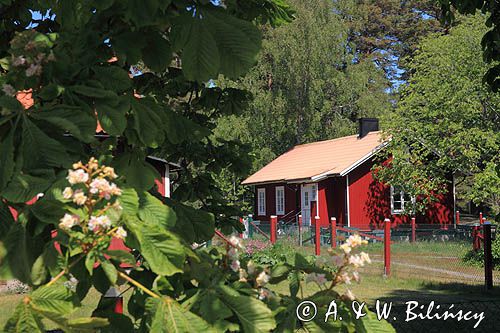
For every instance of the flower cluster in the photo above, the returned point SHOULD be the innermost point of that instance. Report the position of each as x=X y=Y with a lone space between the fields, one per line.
x=30 y=52
x=343 y=266
x=259 y=276
x=316 y=277
x=233 y=253
x=95 y=196
x=254 y=245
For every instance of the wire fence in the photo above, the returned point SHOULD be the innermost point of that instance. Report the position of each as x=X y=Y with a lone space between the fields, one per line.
x=429 y=252
x=438 y=254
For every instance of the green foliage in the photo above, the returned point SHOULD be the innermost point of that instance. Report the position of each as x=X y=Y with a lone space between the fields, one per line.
x=388 y=31
x=476 y=258
x=74 y=65
x=490 y=39
x=486 y=188
x=447 y=119
x=310 y=83
x=169 y=316
x=51 y=303
x=66 y=62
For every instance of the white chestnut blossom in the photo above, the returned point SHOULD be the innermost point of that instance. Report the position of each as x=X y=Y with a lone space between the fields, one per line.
x=315 y=277
x=18 y=61
x=236 y=242
x=109 y=172
x=251 y=267
x=346 y=248
x=365 y=257
x=79 y=197
x=67 y=193
x=77 y=176
x=68 y=221
x=34 y=69
x=262 y=279
x=235 y=265
x=348 y=295
x=265 y=293
x=345 y=278
x=99 y=222
x=355 y=241
x=243 y=275
x=9 y=90
x=232 y=254
x=120 y=233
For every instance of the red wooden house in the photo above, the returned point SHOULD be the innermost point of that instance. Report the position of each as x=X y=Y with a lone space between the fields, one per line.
x=335 y=178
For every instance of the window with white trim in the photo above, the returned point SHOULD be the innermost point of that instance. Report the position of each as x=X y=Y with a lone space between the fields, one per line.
x=314 y=193
x=280 y=200
x=261 y=201
x=400 y=201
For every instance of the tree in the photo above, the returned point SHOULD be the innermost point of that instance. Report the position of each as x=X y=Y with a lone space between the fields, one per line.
x=388 y=31
x=307 y=85
x=447 y=121
x=75 y=62
x=490 y=40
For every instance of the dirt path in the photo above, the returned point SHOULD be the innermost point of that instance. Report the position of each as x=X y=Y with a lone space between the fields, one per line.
x=460 y=275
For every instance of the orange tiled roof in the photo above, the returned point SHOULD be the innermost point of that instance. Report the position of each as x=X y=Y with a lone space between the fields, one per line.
x=319 y=159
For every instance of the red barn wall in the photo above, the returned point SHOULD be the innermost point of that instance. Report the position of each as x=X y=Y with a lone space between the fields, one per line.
x=292 y=200
x=370 y=203
x=331 y=194
x=324 y=210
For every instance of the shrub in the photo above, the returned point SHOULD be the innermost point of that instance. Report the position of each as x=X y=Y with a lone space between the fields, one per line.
x=476 y=258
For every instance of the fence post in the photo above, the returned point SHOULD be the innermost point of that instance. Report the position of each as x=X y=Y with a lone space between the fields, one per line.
x=250 y=226
x=457 y=217
x=333 y=231
x=274 y=224
x=488 y=259
x=387 y=247
x=115 y=294
x=413 y=231
x=300 y=229
x=476 y=242
x=313 y=212
x=317 y=236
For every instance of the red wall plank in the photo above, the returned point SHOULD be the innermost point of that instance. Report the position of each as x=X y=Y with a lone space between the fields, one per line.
x=291 y=203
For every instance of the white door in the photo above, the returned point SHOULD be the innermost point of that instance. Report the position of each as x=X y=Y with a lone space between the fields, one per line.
x=308 y=195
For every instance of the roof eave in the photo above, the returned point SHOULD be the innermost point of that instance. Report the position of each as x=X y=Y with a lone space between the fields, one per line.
x=364 y=158
x=274 y=181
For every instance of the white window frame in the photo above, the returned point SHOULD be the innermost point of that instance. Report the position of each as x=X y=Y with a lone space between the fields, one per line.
x=261 y=205
x=394 y=192
x=280 y=202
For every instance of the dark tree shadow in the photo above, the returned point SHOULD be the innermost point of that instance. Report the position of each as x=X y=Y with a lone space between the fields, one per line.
x=462 y=296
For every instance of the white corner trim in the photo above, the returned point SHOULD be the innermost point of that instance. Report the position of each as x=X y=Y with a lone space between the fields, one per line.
x=166 y=180
x=347 y=201
x=163 y=160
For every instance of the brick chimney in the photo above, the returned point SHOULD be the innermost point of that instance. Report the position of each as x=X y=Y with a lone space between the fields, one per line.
x=367 y=125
